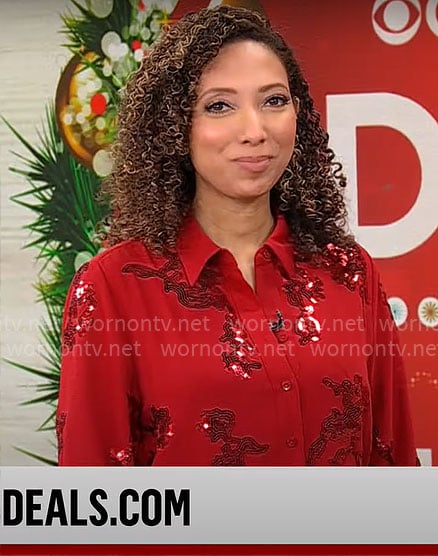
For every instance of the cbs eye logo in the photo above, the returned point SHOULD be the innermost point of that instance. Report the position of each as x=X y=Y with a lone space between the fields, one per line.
x=397 y=21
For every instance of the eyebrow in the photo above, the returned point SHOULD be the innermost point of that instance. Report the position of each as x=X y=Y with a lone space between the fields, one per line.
x=233 y=91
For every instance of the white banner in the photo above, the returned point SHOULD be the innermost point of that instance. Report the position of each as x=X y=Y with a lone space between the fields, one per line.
x=229 y=505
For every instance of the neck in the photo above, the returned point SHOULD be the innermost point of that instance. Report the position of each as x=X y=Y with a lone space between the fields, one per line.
x=240 y=227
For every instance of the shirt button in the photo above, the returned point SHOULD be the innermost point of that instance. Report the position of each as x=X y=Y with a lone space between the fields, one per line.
x=282 y=337
x=291 y=442
x=286 y=385
x=266 y=254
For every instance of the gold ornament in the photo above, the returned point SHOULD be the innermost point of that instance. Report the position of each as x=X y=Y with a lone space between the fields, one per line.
x=79 y=104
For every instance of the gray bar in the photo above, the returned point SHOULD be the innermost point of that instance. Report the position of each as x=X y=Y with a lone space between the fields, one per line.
x=229 y=505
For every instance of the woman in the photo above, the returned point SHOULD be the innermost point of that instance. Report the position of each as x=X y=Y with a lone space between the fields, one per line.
x=233 y=321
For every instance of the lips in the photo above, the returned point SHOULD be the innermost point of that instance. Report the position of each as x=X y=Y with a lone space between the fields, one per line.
x=254 y=163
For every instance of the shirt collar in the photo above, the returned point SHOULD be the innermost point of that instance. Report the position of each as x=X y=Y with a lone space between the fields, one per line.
x=281 y=243
x=195 y=248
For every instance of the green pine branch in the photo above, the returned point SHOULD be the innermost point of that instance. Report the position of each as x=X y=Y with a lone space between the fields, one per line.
x=62 y=193
x=62 y=196
x=85 y=33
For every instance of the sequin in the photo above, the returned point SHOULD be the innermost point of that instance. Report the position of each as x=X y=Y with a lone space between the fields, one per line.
x=240 y=359
x=145 y=438
x=346 y=266
x=218 y=425
x=123 y=457
x=342 y=425
x=127 y=455
x=80 y=315
x=203 y=294
x=304 y=293
x=383 y=449
x=59 y=428
x=162 y=426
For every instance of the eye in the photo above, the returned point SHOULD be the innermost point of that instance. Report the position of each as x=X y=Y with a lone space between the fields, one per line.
x=217 y=107
x=277 y=100
x=396 y=21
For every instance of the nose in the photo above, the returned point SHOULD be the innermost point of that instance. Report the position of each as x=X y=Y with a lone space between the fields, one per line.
x=252 y=127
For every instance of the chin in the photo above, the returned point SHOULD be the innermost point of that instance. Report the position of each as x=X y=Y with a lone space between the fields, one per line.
x=253 y=189
x=249 y=194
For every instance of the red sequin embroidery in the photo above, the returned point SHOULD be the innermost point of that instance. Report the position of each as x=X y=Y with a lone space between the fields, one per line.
x=59 y=428
x=342 y=425
x=162 y=426
x=123 y=457
x=240 y=359
x=218 y=425
x=384 y=450
x=205 y=293
x=81 y=309
x=347 y=266
x=202 y=295
x=159 y=429
x=304 y=293
x=127 y=455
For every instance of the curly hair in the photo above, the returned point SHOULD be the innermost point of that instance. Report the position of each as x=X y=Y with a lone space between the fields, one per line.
x=152 y=185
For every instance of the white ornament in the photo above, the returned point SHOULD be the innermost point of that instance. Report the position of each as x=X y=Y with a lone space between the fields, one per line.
x=155 y=26
x=82 y=92
x=123 y=50
x=138 y=55
x=107 y=69
x=102 y=163
x=101 y=8
x=100 y=123
x=108 y=40
x=141 y=17
x=145 y=33
x=117 y=51
x=134 y=29
x=169 y=5
x=67 y=119
x=428 y=312
x=80 y=118
x=399 y=310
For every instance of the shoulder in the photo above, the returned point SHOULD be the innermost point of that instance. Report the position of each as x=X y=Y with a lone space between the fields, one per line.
x=111 y=261
x=123 y=253
x=372 y=285
x=106 y=270
x=350 y=266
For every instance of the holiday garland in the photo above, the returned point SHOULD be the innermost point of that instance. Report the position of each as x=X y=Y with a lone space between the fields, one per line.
x=108 y=40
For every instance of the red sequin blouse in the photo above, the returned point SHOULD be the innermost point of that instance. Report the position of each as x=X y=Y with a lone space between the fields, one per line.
x=173 y=359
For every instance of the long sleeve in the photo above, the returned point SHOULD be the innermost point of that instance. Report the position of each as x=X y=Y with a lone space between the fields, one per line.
x=393 y=439
x=99 y=411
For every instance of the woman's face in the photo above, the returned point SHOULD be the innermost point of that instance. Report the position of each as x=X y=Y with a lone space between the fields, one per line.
x=244 y=122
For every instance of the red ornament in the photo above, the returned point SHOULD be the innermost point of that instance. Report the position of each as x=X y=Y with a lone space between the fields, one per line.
x=135 y=44
x=98 y=104
x=141 y=6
